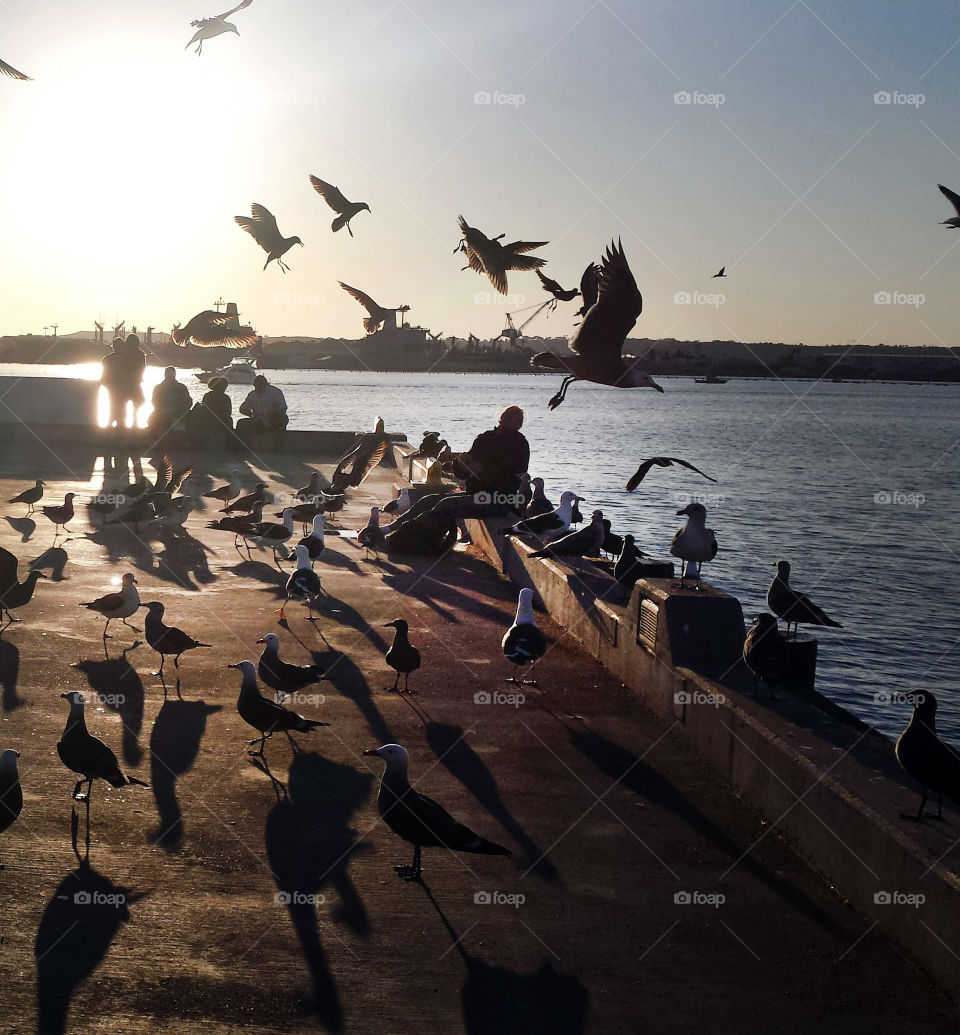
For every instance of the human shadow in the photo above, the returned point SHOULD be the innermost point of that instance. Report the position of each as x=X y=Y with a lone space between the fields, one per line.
x=500 y=1001
x=118 y=687
x=78 y=925
x=9 y=674
x=55 y=559
x=310 y=841
x=23 y=526
x=174 y=745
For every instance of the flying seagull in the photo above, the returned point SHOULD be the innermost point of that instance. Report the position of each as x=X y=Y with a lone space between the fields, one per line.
x=334 y=198
x=934 y=764
x=954 y=221
x=598 y=341
x=722 y=273
x=419 y=820
x=213 y=328
x=120 y=605
x=793 y=607
x=694 y=543
x=265 y=715
x=661 y=461
x=486 y=255
x=261 y=225
x=9 y=70
x=523 y=643
x=207 y=28
x=560 y=294
x=377 y=312
x=30 y=496
x=589 y=287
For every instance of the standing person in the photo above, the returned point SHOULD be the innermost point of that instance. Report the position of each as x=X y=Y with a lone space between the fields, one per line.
x=108 y=379
x=171 y=402
x=211 y=420
x=265 y=410
x=129 y=366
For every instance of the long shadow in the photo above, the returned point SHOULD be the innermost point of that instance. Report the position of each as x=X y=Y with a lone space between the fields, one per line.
x=118 y=687
x=335 y=559
x=634 y=773
x=55 y=559
x=9 y=674
x=310 y=842
x=458 y=757
x=174 y=745
x=350 y=682
x=339 y=611
x=80 y=921
x=23 y=526
x=500 y=1001
x=262 y=572
x=183 y=556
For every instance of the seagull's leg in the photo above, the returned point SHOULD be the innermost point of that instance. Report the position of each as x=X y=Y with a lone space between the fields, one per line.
x=923 y=802
x=395 y=683
x=76 y=791
x=349 y=231
x=129 y=626
x=86 y=851
x=418 y=869
x=262 y=742
x=106 y=635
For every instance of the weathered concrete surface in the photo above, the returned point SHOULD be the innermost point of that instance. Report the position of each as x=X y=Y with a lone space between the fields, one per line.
x=608 y=814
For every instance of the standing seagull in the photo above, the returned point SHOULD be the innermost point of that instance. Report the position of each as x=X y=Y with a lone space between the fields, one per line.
x=523 y=643
x=419 y=820
x=487 y=255
x=694 y=543
x=934 y=764
x=954 y=221
x=556 y=522
x=167 y=639
x=765 y=651
x=598 y=341
x=11 y=794
x=402 y=657
x=30 y=496
x=312 y=543
x=207 y=28
x=585 y=542
x=10 y=71
x=628 y=568
x=378 y=313
x=61 y=515
x=265 y=715
x=303 y=583
x=118 y=605
x=261 y=225
x=346 y=209
x=225 y=493
x=793 y=607
x=400 y=505
x=280 y=675
x=372 y=536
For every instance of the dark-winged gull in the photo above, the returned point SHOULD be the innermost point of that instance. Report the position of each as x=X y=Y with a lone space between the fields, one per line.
x=265 y=715
x=419 y=820
x=627 y=569
x=598 y=341
x=15 y=594
x=402 y=657
x=313 y=543
x=378 y=313
x=84 y=754
x=589 y=287
x=954 y=221
x=539 y=504
x=281 y=676
x=261 y=225
x=372 y=537
x=934 y=764
x=694 y=543
x=793 y=607
x=585 y=542
x=9 y=70
x=211 y=328
x=120 y=605
x=560 y=294
x=345 y=209
x=207 y=28
x=310 y=492
x=661 y=461
x=167 y=639
x=11 y=793
x=270 y=535
x=303 y=584
x=721 y=273
x=553 y=522
x=486 y=255
x=361 y=458
x=225 y=493
x=523 y=643
x=244 y=504
x=61 y=515
x=765 y=651
x=239 y=525
x=30 y=496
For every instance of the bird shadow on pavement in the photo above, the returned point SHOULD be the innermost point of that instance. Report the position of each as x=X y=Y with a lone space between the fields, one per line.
x=174 y=746
x=118 y=688
x=335 y=559
x=262 y=572
x=310 y=841
x=336 y=610
x=183 y=556
x=55 y=559
x=23 y=526
x=500 y=1001
x=9 y=674
x=76 y=930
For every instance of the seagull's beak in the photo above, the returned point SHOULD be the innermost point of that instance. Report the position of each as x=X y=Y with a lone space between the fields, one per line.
x=372 y=751
x=261 y=641
x=684 y=511
x=65 y=697
x=390 y=625
x=233 y=666
x=658 y=388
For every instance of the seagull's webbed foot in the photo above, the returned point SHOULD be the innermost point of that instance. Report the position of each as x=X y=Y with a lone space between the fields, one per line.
x=555 y=401
x=406 y=872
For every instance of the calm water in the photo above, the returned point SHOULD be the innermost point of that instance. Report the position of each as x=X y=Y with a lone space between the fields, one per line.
x=799 y=470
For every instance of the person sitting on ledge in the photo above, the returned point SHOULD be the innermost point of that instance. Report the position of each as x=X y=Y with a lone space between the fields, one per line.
x=491 y=472
x=171 y=403
x=211 y=420
x=264 y=414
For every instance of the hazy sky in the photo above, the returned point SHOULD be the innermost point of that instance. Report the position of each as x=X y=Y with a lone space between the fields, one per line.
x=127 y=158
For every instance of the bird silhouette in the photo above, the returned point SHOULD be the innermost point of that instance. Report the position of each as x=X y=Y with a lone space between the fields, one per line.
x=934 y=764
x=722 y=273
x=954 y=221
x=559 y=293
x=30 y=496
x=10 y=71
x=661 y=461
x=402 y=657
x=694 y=543
x=487 y=256
x=360 y=459
x=207 y=28
x=793 y=607
x=589 y=287
x=378 y=313
x=345 y=209
x=261 y=225
x=213 y=328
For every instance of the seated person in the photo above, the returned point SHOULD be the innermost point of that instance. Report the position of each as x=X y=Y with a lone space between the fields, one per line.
x=211 y=420
x=264 y=412
x=171 y=402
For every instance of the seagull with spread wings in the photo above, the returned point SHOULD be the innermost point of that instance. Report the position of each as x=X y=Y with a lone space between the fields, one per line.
x=345 y=210
x=9 y=70
x=560 y=294
x=213 y=328
x=261 y=225
x=661 y=461
x=377 y=312
x=589 y=287
x=598 y=341
x=486 y=255
x=207 y=28
x=954 y=221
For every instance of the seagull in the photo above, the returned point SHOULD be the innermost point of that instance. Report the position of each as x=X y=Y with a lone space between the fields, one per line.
x=303 y=583
x=402 y=656
x=207 y=28
x=346 y=209
x=268 y=535
x=167 y=639
x=81 y=752
x=627 y=568
x=248 y=502
x=11 y=793
x=559 y=293
x=378 y=313
x=661 y=461
x=240 y=525
x=598 y=341
x=585 y=542
x=556 y=522
x=265 y=715
x=954 y=221
x=61 y=515
x=14 y=594
x=311 y=492
x=280 y=675
x=401 y=504
x=118 y=605
x=372 y=536
x=523 y=643
x=589 y=287
x=539 y=504
x=360 y=459
x=934 y=764
x=419 y=820
x=261 y=225
x=429 y=446
x=225 y=493
x=765 y=651
x=313 y=543
x=213 y=328
x=10 y=71
x=722 y=273
x=793 y=607
x=30 y=496
x=694 y=542
x=487 y=255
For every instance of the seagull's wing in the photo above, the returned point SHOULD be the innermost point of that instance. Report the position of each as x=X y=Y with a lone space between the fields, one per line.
x=619 y=303
x=363 y=298
x=233 y=10
x=8 y=569
x=9 y=70
x=549 y=285
x=164 y=469
x=262 y=227
x=330 y=194
x=108 y=602
x=690 y=467
x=589 y=285
x=950 y=195
x=525 y=246
x=366 y=460
x=642 y=471
x=212 y=328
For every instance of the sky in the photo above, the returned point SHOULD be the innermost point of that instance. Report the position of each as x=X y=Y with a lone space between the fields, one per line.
x=745 y=133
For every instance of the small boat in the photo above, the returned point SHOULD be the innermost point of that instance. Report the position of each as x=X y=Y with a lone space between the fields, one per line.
x=711 y=379
x=237 y=372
